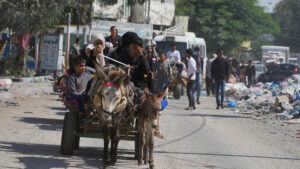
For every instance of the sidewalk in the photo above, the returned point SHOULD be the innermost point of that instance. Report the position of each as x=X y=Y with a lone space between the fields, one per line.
x=17 y=88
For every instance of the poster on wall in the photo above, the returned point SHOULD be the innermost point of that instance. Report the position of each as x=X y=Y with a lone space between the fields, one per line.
x=51 y=51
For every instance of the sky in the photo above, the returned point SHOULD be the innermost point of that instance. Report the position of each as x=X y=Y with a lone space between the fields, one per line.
x=268 y=4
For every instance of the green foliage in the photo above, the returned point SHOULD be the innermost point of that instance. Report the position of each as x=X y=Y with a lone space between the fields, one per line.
x=10 y=68
x=226 y=23
x=82 y=8
x=30 y=16
x=287 y=15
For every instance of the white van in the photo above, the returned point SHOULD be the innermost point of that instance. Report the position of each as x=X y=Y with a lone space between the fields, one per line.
x=183 y=41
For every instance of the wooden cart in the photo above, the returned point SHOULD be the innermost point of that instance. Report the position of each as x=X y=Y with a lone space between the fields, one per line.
x=73 y=129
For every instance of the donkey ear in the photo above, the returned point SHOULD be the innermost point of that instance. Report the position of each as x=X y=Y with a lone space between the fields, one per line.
x=100 y=73
x=161 y=94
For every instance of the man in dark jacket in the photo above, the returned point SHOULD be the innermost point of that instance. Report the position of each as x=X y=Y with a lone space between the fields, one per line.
x=114 y=38
x=140 y=75
x=220 y=72
x=139 y=67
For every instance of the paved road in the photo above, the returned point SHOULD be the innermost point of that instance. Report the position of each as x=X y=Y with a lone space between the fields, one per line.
x=204 y=138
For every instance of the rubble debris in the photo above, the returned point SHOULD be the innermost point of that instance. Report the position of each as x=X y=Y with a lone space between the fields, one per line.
x=281 y=98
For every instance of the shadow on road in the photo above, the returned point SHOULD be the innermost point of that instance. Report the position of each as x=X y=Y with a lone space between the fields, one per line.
x=61 y=113
x=36 y=156
x=44 y=123
x=57 y=108
x=59 y=99
x=229 y=155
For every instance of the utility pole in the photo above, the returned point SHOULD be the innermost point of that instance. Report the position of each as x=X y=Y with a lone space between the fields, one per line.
x=78 y=17
x=91 y=21
x=149 y=7
x=68 y=42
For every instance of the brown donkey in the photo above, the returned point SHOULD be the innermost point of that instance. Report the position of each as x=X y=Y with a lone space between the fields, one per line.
x=146 y=124
x=110 y=102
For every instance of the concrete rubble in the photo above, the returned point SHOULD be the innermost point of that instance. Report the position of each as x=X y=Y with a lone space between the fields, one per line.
x=281 y=99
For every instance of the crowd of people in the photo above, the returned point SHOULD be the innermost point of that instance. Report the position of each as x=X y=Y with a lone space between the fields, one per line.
x=150 y=68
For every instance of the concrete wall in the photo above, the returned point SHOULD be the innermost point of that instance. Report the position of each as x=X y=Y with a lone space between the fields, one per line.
x=161 y=13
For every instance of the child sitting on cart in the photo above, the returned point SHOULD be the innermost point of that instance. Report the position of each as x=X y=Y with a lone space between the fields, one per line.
x=77 y=84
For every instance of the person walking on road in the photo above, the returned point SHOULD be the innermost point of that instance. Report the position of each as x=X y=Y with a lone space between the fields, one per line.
x=250 y=73
x=220 y=72
x=161 y=72
x=199 y=63
x=210 y=86
x=191 y=74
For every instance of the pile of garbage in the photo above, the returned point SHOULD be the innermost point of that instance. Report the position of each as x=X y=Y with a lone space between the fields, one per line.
x=282 y=98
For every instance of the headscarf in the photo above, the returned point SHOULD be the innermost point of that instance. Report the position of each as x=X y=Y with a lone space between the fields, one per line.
x=98 y=36
x=100 y=57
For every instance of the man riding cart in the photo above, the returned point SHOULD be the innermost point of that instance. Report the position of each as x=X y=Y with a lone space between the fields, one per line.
x=178 y=75
x=110 y=93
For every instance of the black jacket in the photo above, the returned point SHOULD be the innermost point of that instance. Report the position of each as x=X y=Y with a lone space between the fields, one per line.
x=199 y=63
x=117 y=42
x=220 y=69
x=139 y=70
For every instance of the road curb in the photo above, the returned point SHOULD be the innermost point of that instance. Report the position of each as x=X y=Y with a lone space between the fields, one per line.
x=32 y=79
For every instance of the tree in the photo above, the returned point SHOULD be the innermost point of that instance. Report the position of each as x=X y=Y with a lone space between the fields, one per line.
x=226 y=23
x=28 y=16
x=31 y=16
x=287 y=15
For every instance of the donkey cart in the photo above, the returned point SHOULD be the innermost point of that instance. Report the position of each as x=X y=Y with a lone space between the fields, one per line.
x=92 y=127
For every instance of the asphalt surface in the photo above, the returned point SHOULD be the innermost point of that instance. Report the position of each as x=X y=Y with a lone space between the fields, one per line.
x=203 y=138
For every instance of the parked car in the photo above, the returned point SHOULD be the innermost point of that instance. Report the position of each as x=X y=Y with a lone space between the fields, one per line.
x=278 y=73
x=259 y=69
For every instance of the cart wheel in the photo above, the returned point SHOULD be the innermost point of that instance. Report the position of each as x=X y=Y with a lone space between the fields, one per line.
x=136 y=142
x=68 y=134
x=177 y=91
x=77 y=141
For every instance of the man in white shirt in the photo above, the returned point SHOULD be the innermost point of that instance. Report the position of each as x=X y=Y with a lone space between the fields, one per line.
x=191 y=74
x=173 y=55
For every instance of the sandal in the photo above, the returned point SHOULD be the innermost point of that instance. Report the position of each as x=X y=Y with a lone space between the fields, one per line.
x=158 y=133
x=189 y=108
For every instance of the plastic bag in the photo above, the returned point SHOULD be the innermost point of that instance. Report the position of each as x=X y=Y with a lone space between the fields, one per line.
x=232 y=104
